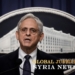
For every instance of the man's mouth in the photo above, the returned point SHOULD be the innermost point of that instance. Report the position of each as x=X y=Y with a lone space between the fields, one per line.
x=27 y=40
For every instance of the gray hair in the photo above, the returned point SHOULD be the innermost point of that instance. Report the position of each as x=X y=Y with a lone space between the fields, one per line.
x=30 y=15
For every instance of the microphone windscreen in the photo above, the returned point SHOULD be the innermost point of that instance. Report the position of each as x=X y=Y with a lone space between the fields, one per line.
x=18 y=61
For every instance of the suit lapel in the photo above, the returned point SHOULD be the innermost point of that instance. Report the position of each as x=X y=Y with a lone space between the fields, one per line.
x=39 y=57
x=13 y=62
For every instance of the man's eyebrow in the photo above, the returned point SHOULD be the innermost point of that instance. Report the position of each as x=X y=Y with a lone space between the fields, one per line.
x=28 y=28
x=32 y=28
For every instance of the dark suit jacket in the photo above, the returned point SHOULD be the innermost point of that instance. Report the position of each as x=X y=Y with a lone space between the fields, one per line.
x=8 y=61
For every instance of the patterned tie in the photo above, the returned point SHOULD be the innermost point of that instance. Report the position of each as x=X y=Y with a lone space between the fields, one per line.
x=27 y=66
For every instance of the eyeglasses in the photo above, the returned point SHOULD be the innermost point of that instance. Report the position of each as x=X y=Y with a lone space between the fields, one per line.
x=31 y=30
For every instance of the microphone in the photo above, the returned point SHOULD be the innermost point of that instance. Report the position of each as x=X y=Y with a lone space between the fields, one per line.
x=18 y=62
x=67 y=72
x=29 y=71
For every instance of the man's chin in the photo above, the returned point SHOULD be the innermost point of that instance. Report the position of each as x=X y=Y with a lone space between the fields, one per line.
x=27 y=46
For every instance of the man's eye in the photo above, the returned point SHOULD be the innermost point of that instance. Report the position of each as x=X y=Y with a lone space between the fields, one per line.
x=23 y=29
x=33 y=30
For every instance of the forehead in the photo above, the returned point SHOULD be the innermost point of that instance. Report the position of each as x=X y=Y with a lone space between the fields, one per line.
x=29 y=23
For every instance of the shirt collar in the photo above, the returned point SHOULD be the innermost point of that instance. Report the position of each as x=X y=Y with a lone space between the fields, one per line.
x=22 y=54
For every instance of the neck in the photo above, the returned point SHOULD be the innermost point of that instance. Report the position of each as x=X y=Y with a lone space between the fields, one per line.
x=28 y=50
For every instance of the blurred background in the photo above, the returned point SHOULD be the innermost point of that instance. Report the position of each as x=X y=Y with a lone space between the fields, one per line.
x=63 y=5
x=10 y=5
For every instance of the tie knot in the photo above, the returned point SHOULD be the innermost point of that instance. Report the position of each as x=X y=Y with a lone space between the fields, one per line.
x=27 y=57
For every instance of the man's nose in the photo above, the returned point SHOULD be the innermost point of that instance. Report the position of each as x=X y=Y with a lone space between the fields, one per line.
x=28 y=33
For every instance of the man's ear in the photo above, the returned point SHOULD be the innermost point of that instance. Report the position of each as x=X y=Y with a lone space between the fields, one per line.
x=41 y=37
x=17 y=35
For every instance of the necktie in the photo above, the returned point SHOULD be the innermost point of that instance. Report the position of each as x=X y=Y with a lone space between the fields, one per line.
x=27 y=66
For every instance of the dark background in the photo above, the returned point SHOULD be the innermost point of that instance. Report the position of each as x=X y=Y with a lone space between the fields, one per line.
x=10 y=5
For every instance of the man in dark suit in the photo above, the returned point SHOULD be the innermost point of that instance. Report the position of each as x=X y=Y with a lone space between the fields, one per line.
x=29 y=33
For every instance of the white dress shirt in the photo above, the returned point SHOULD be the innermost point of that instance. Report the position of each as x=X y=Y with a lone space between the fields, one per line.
x=32 y=60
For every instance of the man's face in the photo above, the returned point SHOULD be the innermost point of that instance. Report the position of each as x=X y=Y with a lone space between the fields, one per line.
x=28 y=33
